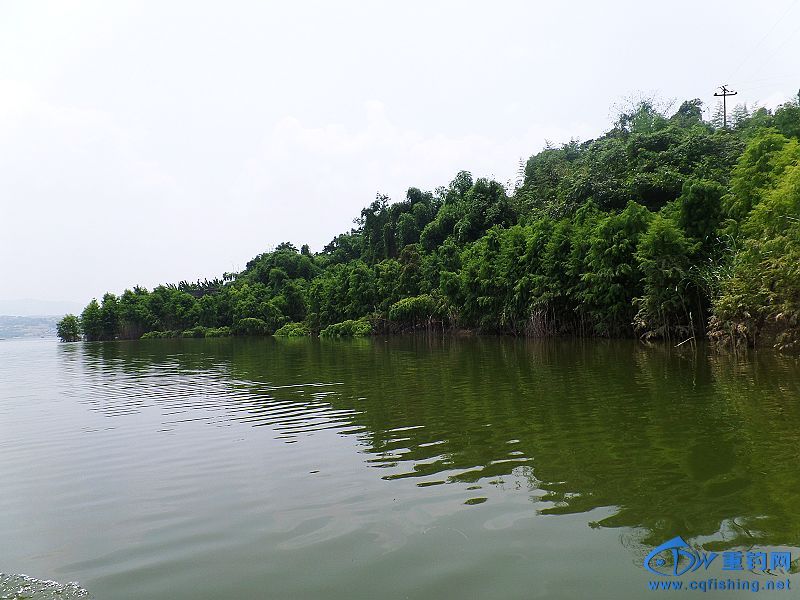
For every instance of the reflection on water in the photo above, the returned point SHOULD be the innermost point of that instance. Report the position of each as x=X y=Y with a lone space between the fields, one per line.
x=681 y=444
x=377 y=442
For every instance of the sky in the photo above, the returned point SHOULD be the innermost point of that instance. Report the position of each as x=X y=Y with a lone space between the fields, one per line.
x=150 y=142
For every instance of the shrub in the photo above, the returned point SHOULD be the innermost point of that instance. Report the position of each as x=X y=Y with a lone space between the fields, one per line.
x=151 y=335
x=415 y=310
x=198 y=331
x=214 y=332
x=293 y=330
x=251 y=326
x=350 y=328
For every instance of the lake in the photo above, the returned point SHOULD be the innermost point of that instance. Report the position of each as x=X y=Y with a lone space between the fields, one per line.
x=408 y=467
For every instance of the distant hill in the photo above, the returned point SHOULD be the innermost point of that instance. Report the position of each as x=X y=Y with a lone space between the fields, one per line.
x=26 y=327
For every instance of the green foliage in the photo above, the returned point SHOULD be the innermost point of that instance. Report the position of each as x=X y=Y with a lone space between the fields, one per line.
x=69 y=329
x=284 y=263
x=700 y=211
x=762 y=295
x=416 y=310
x=646 y=157
x=343 y=248
x=293 y=330
x=757 y=171
x=214 y=332
x=92 y=322
x=543 y=176
x=251 y=326
x=480 y=290
x=611 y=277
x=198 y=331
x=484 y=205
x=664 y=255
x=787 y=118
x=134 y=314
x=109 y=317
x=172 y=308
x=151 y=335
x=349 y=328
x=441 y=228
x=690 y=113
x=643 y=230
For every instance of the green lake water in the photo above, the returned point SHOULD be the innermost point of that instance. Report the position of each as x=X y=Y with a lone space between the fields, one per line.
x=409 y=467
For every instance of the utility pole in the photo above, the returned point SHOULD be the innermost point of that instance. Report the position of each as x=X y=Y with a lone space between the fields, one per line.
x=725 y=93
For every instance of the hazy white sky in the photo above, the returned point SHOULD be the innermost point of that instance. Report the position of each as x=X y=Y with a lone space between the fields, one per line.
x=147 y=142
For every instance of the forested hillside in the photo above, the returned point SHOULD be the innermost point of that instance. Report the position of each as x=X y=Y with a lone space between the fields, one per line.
x=667 y=226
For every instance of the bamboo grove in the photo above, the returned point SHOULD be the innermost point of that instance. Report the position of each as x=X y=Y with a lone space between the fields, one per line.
x=666 y=227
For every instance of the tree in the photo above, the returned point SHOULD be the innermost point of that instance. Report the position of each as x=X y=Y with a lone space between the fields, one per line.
x=739 y=116
x=718 y=118
x=407 y=230
x=109 y=317
x=611 y=277
x=135 y=316
x=663 y=256
x=484 y=205
x=700 y=210
x=787 y=118
x=68 y=329
x=689 y=113
x=91 y=322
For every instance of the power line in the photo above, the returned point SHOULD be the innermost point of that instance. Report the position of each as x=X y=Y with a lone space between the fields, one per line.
x=781 y=45
x=767 y=80
x=764 y=86
x=764 y=37
x=725 y=93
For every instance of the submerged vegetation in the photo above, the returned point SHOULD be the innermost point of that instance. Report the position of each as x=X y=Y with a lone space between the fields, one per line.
x=667 y=226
